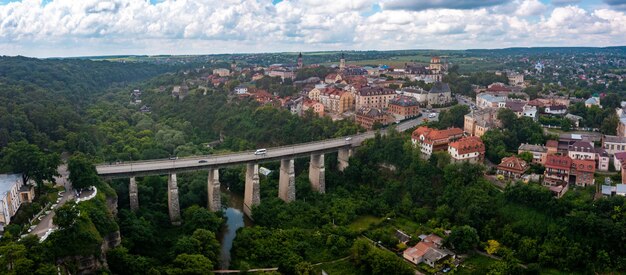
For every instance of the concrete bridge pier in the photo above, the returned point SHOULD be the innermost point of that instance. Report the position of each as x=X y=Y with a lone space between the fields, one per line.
x=252 y=192
x=317 y=173
x=172 y=199
x=343 y=156
x=134 y=195
x=287 y=181
x=213 y=185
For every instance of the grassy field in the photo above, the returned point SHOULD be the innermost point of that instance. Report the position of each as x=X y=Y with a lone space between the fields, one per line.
x=337 y=268
x=364 y=222
x=476 y=264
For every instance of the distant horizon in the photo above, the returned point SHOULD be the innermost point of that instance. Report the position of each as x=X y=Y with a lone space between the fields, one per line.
x=58 y=28
x=318 y=51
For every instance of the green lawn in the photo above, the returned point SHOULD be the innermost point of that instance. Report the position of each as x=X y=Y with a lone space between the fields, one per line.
x=337 y=268
x=476 y=264
x=363 y=223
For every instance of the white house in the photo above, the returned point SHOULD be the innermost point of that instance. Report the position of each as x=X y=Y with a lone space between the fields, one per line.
x=13 y=193
x=241 y=89
x=556 y=110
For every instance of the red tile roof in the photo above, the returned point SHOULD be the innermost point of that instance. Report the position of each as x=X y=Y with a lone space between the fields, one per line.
x=513 y=164
x=584 y=165
x=468 y=145
x=558 y=162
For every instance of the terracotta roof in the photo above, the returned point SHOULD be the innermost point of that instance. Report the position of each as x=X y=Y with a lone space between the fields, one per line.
x=468 y=145
x=422 y=130
x=552 y=143
x=443 y=134
x=498 y=88
x=513 y=164
x=584 y=165
x=419 y=250
x=559 y=162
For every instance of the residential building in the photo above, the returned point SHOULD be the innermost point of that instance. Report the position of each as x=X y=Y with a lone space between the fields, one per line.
x=530 y=111
x=478 y=122
x=221 y=72
x=498 y=88
x=467 y=149
x=556 y=109
x=241 y=89
x=404 y=107
x=621 y=126
x=583 y=171
x=516 y=79
x=180 y=92
x=582 y=150
x=370 y=117
x=336 y=100
x=374 y=97
x=512 y=167
x=592 y=101
x=418 y=93
x=614 y=144
x=332 y=78
x=487 y=100
x=429 y=251
x=282 y=73
x=431 y=140
x=316 y=107
x=574 y=119
x=557 y=170
x=13 y=192
x=619 y=159
x=314 y=94
x=539 y=152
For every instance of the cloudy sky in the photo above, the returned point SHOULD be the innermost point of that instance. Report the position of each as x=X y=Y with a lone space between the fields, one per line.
x=45 y=28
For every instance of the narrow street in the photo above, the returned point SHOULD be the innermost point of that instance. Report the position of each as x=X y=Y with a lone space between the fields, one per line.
x=46 y=222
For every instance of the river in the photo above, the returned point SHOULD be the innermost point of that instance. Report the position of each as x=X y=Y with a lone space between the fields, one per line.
x=235 y=219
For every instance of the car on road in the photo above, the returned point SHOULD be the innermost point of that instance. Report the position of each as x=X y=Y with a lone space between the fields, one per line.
x=202 y=161
x=260 y=152
x=348 y=138
x=173 y=158
x=432 y=115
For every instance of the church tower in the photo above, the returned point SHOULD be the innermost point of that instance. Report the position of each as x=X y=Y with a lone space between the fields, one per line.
x=342 y=63
x=233 y=66
x=300 y=63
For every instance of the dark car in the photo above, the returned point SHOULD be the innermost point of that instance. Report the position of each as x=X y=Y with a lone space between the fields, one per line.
x=202 y=161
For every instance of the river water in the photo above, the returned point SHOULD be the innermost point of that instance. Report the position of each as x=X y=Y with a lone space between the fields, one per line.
x=235 y=219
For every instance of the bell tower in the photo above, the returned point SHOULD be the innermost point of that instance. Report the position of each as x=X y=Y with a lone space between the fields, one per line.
x=300 y=63
x=342 y=62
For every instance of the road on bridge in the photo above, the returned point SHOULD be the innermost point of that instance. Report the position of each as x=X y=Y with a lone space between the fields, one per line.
x=200 y=162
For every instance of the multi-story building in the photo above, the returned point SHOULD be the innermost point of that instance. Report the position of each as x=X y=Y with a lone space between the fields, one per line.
x=512 y=167
x=487 y=100
x=430 y=140
x=13 y=192
x=336 y=100
x=613 y=144
x=539 y=152
x=370 y=117
x=315 y=106
x=557 y=170
x=582 y=150
x=332 y=78
x=282 y=73
x=478 y=122
x=374 y=97
x=583 y=170
x=468 y=149
x=404 y=107
x=516 y=79
x=440 y=94
x=222 y=72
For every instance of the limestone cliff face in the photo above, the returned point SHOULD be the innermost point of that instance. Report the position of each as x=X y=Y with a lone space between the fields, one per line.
x=91 y=264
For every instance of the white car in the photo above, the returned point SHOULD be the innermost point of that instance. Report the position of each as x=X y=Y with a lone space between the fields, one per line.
x=348 y=138
x=432 y=115
x=260 y=152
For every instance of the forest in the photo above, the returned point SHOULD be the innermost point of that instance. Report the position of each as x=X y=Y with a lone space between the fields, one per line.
x=85 y=117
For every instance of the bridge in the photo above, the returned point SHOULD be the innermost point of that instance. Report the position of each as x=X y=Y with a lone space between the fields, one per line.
x=285 y=154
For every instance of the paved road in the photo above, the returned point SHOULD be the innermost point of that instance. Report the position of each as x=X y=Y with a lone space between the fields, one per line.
x=161 y=166
x=46 y=221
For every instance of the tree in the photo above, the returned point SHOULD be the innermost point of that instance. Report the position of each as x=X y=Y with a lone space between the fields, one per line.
x=453 y=117
x=82 y=172
x=463 y=238
x=191 y=264
x=526 y=156
x=65 y=216
x=492 y=247
x=304 y=268
x=31 y=162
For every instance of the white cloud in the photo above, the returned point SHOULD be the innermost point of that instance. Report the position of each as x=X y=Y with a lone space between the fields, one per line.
x=69 y=27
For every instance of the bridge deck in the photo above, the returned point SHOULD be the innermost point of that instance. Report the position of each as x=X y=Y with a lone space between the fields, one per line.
x=165 y=166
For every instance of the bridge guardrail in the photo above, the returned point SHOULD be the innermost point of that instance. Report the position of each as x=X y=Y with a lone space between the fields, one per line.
x=244 y=153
